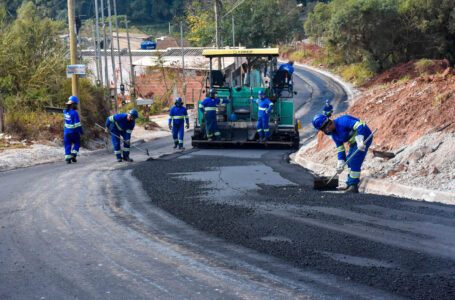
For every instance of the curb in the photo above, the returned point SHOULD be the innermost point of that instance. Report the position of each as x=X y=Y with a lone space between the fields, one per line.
x=382 y=187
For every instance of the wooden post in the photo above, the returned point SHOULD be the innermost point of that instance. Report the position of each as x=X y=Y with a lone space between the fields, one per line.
x=73 y=49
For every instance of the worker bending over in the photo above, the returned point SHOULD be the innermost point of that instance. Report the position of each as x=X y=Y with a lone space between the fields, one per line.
x=122 y=125
x=347 y=129
x=265 y=106
x=73 y=130
x=328 y=109
x=178 y=116
x=208 y=108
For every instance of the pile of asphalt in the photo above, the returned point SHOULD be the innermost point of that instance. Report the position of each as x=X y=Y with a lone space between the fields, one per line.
x=407 y=273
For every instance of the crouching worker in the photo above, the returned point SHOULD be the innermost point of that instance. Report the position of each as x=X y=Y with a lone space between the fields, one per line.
x=73 y=130
x=122 y=125
x=347 y=129
x=178 y=116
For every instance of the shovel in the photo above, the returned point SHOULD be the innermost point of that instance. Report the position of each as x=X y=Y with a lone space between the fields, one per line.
x=319 y=182
x=146 y=151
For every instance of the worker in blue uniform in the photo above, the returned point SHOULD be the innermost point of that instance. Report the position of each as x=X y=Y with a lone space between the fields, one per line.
x=208 y=108
x=342 y=130
x=122 y=125
x=289 y=66
x=73 y=130
x=265 y=107
x=328 y=109
x=178 y=116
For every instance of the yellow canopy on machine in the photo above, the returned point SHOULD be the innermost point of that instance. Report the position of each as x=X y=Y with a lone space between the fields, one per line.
x=241 y=52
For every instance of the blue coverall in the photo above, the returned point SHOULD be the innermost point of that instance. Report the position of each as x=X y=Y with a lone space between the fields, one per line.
x=209 y=105
x=288 y=67
x=72 y=133
x=178 y=116
x=119 y=125
x=346 y=129
x=327 y=110
x=264 y=108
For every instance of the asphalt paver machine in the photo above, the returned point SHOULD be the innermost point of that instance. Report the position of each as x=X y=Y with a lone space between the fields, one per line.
x=240 y=75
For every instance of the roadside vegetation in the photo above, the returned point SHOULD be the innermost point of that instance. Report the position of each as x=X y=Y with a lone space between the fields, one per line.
x=33 y=75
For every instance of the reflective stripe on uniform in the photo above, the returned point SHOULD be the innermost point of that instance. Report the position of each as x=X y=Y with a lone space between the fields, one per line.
x=358 y=123
x=201 y=106
x=341 y=148
x=262 y=108
x=118 y=126
x=352 y=139
x=209 y=135
x=68 y=156
x=129 y=131
x=210 y=108
x=217 y=133
x=69 y=126
x=126 y=149
x=111 y=118
x=259 y=130
x=118 y=152
x=354 y=174
x=181 y=141
x=185 y=116
x=178 y=117
x=74 y=151
x=266 y=130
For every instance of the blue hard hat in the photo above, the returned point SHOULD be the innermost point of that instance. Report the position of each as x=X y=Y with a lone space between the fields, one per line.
x=327 y=101
x=212 y=91
x=134 y=113
x=319 y=121
x=261 y=92
x=73 y=99
x=178 y=99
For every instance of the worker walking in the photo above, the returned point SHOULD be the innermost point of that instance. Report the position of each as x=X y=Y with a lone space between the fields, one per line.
x=73 y=130
x=122 y=125
x=347 y=129
x=328 y=109
x=208 y=108
x=265 y=106
x=178 y=116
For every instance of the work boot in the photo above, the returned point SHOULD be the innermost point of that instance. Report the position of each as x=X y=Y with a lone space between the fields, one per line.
x=119 y=160
x=352 y=189
x=210 y=139
x=175 y=146
x=74 y=159
x=68 y=161
x=181 y=148
x=128 y=159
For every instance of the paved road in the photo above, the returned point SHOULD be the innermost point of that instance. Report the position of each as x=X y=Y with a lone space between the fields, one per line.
x=213 y=224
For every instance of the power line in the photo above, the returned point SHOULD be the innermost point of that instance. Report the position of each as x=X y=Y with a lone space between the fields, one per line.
x=235 y=6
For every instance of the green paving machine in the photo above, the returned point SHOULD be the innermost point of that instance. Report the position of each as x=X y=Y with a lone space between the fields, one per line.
x=240 y=75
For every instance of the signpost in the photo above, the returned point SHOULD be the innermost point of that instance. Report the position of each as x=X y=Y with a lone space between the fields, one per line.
x=75 y=69
x=141 y=101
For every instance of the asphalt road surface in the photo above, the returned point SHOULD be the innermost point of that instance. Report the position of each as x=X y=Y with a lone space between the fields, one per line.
x=214 y=224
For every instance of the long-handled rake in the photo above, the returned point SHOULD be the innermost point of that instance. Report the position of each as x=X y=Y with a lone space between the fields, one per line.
x=146 y=151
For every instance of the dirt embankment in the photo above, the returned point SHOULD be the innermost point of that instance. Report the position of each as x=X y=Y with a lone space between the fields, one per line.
x=415 y=121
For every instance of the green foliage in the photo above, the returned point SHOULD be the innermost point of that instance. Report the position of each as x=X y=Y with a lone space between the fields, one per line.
x=382 y=33
x=356 y=73
x=404 y=79
x=299 y=55
x=423 y=65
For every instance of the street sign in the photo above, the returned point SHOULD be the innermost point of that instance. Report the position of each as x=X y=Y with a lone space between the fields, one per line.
x=75 y=69
x=141 y=101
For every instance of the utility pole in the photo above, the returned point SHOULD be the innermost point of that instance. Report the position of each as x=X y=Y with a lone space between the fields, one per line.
x=183 y=64
x=96 y=53
x=118 y=47
x=112 y=54
x=132 y=86
x=106 y=70
x=218 y=29
x=73 y=47
x=169 y=28
x=98 y=43
x=233 y=32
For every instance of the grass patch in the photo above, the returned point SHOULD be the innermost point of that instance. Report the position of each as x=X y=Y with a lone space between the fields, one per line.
x=356 y=73
x=404 y=79
x=34 y=125
x=423 y=65
x=299 y=55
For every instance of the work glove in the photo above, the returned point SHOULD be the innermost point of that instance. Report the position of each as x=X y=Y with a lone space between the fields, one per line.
x=127 y=142
x=106 y=130
x=187 y=126
x=360 y=142
x=170 y=127
x=340 y=165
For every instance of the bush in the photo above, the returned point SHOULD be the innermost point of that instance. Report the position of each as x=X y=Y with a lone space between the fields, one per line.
x=356 y=73
x=423 y=65
x=299 y=55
